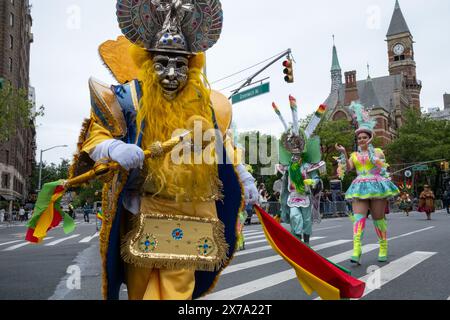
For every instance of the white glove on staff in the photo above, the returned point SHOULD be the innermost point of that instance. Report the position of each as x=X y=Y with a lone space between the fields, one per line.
x=251 y=193
x=129 y=156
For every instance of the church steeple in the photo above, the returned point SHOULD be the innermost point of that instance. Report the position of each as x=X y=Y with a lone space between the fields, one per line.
x=398 y=23
x=336 y=71
x=335 y=64
x=401 y=55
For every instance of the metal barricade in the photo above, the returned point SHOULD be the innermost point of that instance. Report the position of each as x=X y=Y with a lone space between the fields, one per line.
x=334 y=208
x=273 y=208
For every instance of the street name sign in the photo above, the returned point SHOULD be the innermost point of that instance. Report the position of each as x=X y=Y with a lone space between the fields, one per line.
x=251 y=93
x=420 y=168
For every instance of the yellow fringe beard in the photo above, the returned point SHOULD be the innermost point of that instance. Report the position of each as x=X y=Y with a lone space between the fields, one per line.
x=187 y=181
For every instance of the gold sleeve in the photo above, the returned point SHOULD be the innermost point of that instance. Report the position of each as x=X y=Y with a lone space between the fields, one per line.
x=92 y=134
x=96 y=134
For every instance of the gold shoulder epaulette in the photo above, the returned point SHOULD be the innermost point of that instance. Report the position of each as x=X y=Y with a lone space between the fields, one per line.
x=222 y=109
x=106 y=108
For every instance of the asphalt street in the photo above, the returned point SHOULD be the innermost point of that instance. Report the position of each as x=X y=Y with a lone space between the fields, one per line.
x=419 y=256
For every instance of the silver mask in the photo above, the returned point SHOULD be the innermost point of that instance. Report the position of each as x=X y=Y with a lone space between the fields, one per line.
x=172 y=72
x=294 y=143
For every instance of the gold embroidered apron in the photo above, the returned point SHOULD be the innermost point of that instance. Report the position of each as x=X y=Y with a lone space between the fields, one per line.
x=170 y=235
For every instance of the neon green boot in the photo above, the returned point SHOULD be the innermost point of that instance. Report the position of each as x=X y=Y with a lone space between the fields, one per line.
x=383 y=254
x=358 y=233
x=357 y=251
x=381 y=230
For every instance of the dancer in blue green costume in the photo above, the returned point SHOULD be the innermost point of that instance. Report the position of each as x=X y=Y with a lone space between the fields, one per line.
x=300 y=159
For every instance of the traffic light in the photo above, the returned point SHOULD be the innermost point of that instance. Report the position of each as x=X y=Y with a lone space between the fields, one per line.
x=445 y=166
x=288 y=70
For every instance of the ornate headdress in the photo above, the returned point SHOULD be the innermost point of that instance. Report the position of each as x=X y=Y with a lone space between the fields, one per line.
x=181 y=26
x=297 y=142
x=361 y=115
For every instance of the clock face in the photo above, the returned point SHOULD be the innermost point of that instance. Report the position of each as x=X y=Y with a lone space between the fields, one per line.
x=399 y=49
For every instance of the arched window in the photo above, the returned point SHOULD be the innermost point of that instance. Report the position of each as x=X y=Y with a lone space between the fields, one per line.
x=340 y=115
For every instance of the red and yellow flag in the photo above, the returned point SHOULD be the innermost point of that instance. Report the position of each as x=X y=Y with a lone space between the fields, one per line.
x=315 y=273
x=48 y=213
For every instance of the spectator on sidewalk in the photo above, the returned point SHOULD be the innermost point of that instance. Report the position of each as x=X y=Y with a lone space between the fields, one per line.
x=86 y=210
x=71 y=211
x=21 y=214
x=263 y=200
x=446 y=200
x=2 y=215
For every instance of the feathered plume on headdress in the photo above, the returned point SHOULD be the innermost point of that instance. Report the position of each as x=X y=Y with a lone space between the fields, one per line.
x=362 y=117
x=296 y=140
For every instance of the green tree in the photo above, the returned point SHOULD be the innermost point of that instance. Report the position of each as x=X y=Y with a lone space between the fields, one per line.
x=50 y=172
x=332 y=133
x=420 y=139
x=89 y=193
x=16 y=110
x=261 y=152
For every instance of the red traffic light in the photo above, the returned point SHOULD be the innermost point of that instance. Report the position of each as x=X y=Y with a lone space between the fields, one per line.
x=288 y=71
x=287 y=64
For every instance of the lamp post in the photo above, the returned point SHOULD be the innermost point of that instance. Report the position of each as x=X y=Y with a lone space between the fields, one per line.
x=40 y=163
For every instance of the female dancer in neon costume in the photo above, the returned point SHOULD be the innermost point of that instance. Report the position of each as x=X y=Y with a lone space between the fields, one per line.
x=371 y=188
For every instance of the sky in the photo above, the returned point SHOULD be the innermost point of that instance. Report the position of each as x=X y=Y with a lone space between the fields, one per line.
x=67 y=34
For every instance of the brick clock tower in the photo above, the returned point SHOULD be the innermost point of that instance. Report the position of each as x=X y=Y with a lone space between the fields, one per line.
x=401 y=55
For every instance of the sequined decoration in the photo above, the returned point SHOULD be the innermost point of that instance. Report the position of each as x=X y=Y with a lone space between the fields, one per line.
x=177 y=234
x=148 y=243
x=205 y=246
x=200 y=21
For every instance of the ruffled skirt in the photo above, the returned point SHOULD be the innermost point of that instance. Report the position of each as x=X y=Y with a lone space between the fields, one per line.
x=375 y=187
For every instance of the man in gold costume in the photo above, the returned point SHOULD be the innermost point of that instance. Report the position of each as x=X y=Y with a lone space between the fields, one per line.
x=169 y=223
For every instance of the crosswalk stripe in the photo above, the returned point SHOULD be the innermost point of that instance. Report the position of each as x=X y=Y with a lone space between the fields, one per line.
x=54 y=243
x=393 y=270
x=280 y=277
x=255 y=242
x=251 y=264
x=329 y=228
x=255 y=232
x=88 y=239
x=254 y=250
x=396 y=268
x=10 y=242
x=267 y=260
x=411 y=233
x=252 y=286
x=252 y=232
x=264 y=240
x=254 y=237
x=346 y=255
x=316 y=248
x=23 y=244
x=330 y=244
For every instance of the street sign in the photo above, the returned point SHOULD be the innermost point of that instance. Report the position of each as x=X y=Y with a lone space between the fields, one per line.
x=251 y=93
x=420 y=168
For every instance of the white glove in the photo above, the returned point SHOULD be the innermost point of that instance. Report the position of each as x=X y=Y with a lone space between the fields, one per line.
x=129 y=156
x=251 y=193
